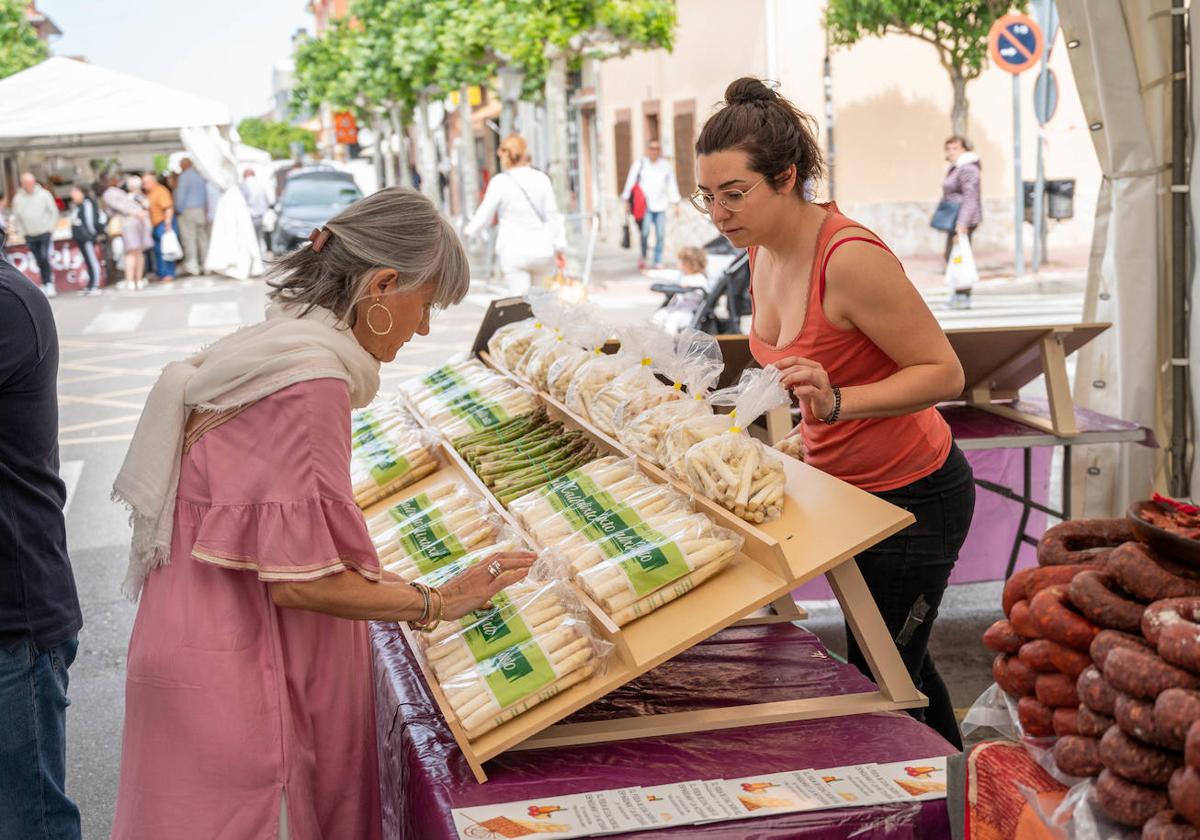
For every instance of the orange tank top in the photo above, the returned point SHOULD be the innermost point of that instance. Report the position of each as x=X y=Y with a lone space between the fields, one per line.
x=874 y=454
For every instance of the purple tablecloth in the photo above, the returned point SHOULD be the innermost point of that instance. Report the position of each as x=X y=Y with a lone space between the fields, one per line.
x=423 y=775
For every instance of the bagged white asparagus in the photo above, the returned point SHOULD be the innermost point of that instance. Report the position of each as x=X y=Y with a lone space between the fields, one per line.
x=511 y=339
x=521 y=612
x=685 y=434
x=497 y=689
x=554 y=315
x=475 y=400
x=735 y=470
x=428 y=385
x=422 y=543
x=506 y=539
x=594 y=374
x=656 y=347
x=586 y=337
x=380 y=466
x=372 y=421
x=643 y=420
x=418 y=508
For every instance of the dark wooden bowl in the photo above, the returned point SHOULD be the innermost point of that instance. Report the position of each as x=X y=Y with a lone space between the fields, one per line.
x=1160 y=539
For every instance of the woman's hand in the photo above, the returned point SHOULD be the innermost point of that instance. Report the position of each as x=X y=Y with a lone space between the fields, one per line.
x=474 y=588
x=809 y=382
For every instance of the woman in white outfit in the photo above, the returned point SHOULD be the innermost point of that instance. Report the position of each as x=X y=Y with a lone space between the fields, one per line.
x=531 y=243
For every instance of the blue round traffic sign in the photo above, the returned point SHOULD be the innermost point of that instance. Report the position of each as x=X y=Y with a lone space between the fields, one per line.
x=1015 y=43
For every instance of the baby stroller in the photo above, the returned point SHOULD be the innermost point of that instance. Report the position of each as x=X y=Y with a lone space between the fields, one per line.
x=719 y=309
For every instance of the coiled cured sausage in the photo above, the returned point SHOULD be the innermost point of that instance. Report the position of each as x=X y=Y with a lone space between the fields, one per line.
x=1150 y=576
x=1053 y=619
x=1014 y=676
x=1077 y=755
x=1092 y=723
x=1093 y=594
x=1108 y=640
x=1136 y=718
x=1184 y=789
x=1175 y=710
x=1028 y=582
x=1128 y=802
x=1136 y=761
x=1095 y=692
x=1075 y=541
x=1037 y=719
x=1173 y=627
x=1001 y=637
x=1144 y=674
x=1169 y=825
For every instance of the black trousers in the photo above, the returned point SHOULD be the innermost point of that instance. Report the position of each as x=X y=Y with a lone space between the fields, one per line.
x=40 y=247
x=908 y=574
x=87 y=247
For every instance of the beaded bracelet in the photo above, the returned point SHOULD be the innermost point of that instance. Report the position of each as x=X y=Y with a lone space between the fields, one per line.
x=837 y=406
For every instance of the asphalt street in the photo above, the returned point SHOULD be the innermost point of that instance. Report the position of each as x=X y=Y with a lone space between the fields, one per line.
x=112 y=349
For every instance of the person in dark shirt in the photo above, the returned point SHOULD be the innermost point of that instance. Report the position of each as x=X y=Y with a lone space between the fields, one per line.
x=39 y=608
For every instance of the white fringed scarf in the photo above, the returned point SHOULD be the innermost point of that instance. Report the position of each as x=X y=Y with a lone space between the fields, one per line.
x=237 y=370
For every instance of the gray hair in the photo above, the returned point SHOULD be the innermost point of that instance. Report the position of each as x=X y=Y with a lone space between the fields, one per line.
x=393 y=228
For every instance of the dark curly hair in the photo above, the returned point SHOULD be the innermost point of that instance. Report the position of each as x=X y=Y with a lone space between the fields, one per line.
x=773 y=133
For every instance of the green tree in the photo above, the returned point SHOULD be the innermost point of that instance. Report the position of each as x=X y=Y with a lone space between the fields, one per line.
x=957 y=29
x=20 y=47
x=275 y=137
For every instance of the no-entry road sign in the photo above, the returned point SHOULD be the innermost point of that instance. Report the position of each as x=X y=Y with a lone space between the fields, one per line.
x=1015 y=43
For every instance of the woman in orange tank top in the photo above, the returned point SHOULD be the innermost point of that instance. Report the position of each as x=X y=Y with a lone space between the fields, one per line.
x=861 y=352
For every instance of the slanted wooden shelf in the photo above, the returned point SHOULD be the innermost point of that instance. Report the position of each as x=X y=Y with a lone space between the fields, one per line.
x=999 y=361
x=825 y=523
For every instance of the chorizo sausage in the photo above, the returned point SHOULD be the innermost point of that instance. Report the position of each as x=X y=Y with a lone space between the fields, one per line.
x=1184 y=789
x=1074 y=541
x=1054 y=619
x=1128 y=803
x=1169 y=611
x=1066 y=721
x=1107 y=640
x=1191 y=746
x=1136 y=718
x=1092 y=593
x=1095 y=692
x=1077 y=755
x=1056 y=690
x=1036 y=654
x=1150 y=576
x=1144 y=674
x=1068 y=661
x=1169 y=825
x=1092 y=723
x=1021 y=620
x=1037 y=720
x=1175 y=710
x=1029 y=582
x=1001 y=637
x=1013 y=676
x=1131 y=759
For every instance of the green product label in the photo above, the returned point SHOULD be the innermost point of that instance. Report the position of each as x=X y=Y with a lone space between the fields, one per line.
x=367 y=436
x=517 y=672
x=500 y=602
x=415 y=511
x=431 y=546
x=577 y=499
x=478 y=413
x=437 y=577
x=360 y=421
x=503 y=627
x=386 y=462
x=647 y=558
x=442 y=379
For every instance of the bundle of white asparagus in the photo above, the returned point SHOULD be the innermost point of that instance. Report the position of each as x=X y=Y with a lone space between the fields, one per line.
x=509 y=343
x=535 y=367
x=468 y=398
x=735 y=470
x=585 y=333
x=646 y=433
x=590 y=378
x=416 y=540
x=397 y=458
x=640 y=382
x=447 y=377
x=506 y=539
x=692 y=362
x=372 y=421
x=418 y=508
x=626 y=567
x=525 y=610
x=685 y=434
x=632 y=544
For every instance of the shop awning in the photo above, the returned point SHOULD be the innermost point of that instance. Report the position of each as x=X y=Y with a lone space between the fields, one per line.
x=64 y=103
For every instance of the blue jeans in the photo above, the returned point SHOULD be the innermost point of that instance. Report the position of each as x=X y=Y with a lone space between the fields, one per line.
x=163 y=268
x=33 y=743
x=659 y=221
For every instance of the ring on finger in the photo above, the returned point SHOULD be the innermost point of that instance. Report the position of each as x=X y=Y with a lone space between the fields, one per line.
x=494 y=569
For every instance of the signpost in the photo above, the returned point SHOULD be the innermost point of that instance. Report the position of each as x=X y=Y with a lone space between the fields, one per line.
x=1015 y=44
x=1045 y=101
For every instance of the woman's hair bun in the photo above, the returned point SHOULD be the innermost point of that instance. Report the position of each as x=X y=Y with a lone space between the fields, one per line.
x=748 y=89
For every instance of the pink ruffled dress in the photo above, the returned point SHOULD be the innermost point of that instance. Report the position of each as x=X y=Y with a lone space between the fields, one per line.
x=230 y=700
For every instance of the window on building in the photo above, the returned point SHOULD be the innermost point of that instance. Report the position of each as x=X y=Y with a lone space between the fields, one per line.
x=651 y=127
x=684 y=114
x=622 y=146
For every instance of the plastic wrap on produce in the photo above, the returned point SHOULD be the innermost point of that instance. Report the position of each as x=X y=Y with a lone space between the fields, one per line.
x=656 y=347
x=735 y=470
x=514 y=337
x=506 y=539
x=586 y=337
x=594 y=374
x=415 y=544
x=385 y=461
x=424 y=775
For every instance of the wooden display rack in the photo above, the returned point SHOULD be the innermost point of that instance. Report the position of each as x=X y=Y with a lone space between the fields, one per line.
x=825 y=523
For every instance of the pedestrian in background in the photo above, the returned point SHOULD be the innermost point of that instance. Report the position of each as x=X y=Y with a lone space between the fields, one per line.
x=531 y=242
x=654 y=175
x=256 y=199
x=129 y=205
x=86 y=228
x=162 y=219
x=191 y=208
x=39 y=607
x=961 y=186
x=35 y=215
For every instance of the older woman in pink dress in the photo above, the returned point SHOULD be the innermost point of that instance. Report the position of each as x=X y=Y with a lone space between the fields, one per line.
x=248 y=701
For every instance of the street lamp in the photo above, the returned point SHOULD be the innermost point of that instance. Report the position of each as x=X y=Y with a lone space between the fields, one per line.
x=512 y=80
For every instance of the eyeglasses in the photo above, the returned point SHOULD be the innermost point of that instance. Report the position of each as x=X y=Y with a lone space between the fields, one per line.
x=732 y=200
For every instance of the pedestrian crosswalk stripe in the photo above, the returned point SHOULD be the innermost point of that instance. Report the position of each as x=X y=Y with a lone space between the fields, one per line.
x=115 y=321
x=222 y=314
x=70 y=472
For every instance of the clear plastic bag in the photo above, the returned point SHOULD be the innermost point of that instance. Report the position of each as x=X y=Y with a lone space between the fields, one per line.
x=735 y=470
x=586 y=337
x=373 y=421
x=551 y=315
x=477 y=399
x=417 y=544
x=695 y=368
x=506 y=539
x=511 y=340
x=656 y=346
x=391 y=461
x=491 y=692
x=428 y=386
x=595 y=373
x=531 y=508
x=415 y=509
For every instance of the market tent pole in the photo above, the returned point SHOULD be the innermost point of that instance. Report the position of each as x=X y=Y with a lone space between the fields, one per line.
x=1194 y=196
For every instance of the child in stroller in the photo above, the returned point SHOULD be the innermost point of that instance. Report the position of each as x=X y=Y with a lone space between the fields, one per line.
x=715 y=303
x=686 y=294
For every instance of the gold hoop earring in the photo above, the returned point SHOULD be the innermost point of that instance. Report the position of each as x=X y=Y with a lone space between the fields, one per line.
x=371 y=326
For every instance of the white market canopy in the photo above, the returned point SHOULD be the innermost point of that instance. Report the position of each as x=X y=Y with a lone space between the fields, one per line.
x=63 y=103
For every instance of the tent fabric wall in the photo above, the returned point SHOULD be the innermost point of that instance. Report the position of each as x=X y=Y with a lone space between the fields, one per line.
x=1121 y=65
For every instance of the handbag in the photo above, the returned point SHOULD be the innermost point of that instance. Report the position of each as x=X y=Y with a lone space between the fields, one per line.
x=626 y=239
x=945 y=216
x=170 y=247
x=637 y=197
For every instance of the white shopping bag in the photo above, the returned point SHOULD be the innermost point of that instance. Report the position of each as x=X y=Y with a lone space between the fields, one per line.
x=960 y=271
x=171 y=249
